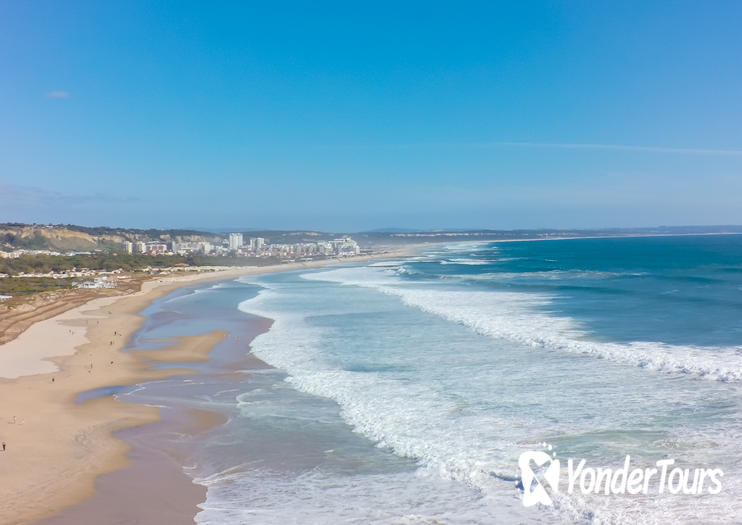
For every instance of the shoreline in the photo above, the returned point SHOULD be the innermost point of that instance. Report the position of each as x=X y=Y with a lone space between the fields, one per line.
x=56 y=447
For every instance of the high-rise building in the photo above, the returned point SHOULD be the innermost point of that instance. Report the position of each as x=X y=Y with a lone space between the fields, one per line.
x=235 y=241
x=128 y=247
x=259 y=243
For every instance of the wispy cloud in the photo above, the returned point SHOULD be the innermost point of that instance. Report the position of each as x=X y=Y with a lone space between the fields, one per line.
x=13 y=194
x=57 y=94
x=616 y=147
x=544 y=145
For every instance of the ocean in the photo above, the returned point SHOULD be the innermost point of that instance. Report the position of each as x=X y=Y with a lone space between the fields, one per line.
x=404 y=391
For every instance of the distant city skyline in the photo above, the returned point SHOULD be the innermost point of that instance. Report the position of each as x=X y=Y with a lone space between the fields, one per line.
x=345 y=117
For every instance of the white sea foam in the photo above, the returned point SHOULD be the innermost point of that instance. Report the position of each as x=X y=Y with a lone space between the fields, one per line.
x=466 y=262
x=404 y=498
x=463 y=246
x=386 y=264
x=551 y=275
x=412 y=419
x=524 y=318
x=417 y=419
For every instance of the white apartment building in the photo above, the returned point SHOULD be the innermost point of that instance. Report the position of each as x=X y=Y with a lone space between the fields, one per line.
x=235 y=241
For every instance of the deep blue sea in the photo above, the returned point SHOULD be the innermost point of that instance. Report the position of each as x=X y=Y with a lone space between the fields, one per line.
x=404 y=391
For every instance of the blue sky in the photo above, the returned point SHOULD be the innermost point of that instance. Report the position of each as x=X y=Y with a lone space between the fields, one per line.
x=350 y=116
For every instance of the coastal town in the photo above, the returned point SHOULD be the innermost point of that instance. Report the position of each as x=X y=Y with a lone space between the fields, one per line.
x=161 y=258
x=235 y=244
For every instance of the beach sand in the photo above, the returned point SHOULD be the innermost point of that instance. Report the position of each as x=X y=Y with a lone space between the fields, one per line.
x=168 y=496
x=56 y=448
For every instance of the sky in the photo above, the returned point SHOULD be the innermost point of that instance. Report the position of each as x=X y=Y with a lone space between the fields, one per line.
x=351 y=116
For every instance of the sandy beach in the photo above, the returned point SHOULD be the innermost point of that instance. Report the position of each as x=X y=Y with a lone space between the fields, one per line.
x=56 y=447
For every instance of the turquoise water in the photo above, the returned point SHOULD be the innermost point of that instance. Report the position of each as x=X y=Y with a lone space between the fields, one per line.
x=405 y=391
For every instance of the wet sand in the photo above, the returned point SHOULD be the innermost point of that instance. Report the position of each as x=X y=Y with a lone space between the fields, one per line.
x=168 y=495
x=158 y=454
x=57 y=447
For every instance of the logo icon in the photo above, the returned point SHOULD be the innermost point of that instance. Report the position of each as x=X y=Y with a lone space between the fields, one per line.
x=533 y=491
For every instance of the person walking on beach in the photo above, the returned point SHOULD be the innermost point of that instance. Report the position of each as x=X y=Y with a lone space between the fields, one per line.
x=3 y=446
